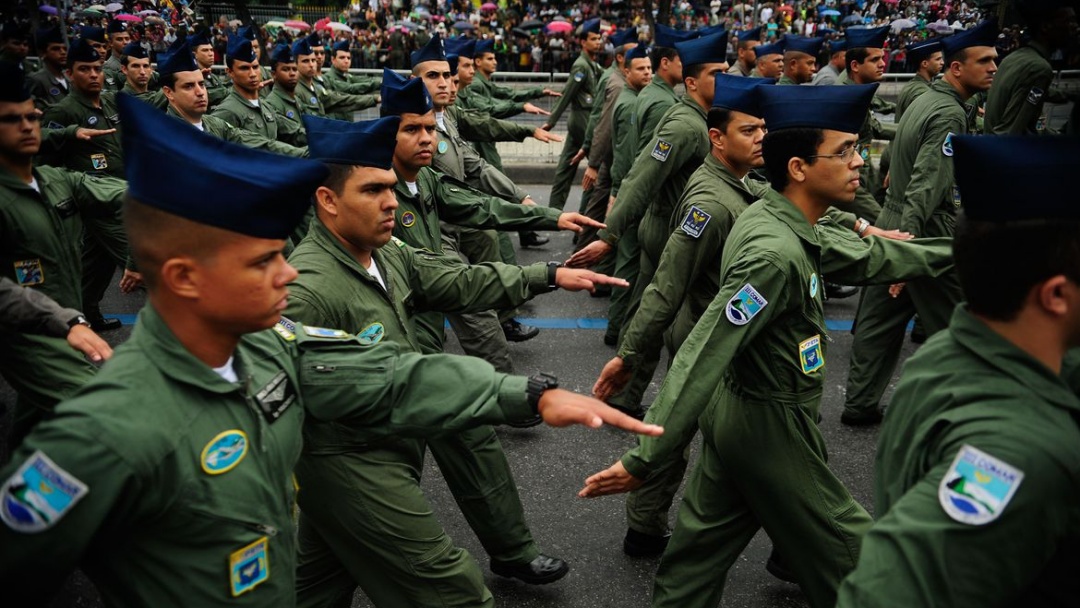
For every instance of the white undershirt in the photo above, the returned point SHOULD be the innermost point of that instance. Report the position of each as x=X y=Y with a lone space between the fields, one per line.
x=439 y=120
x=373 y=270
x=33 y=184
x=199 y=126
x=227 y=371
x=413 y=188
x=254 y=102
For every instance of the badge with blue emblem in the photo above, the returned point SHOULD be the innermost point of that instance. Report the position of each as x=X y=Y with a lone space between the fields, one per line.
x=290 y=114
x=579 y=76
x=91 y=121
x=224 y=452
x=813 y=284
x=286 y=329
x=38 y=495
x=695 y=222
x=745 y=305
x=54 y=91
x=249 y=567
x=372 y=334
x=323 y=332
x=1035 y=95
x=29 y=272
x=661 y=150
x=977 y=487
x=946 y=148
x=314 y=100
x=443 y=146
x=408 y=219
x=810 y=357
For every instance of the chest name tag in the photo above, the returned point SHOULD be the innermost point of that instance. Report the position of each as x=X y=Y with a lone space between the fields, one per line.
x=38 y=495
x=249 y=567
x=323 y=332
x=745 y=305
x=810 y=357
x=695 y=222
x=661 y=150
x=275 y=397
x=29 y=272
x=977 y=487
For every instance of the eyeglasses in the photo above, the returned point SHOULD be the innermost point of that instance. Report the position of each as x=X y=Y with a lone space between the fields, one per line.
x=845 y=155
x=15 y=119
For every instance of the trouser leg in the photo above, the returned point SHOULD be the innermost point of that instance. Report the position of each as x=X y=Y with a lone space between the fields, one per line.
x=596 y=207
x=480 y=334
x=565 y=172
x=880 y=323
x=627 y=266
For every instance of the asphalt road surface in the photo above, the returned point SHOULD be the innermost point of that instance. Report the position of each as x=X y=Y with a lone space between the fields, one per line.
x=551 y=464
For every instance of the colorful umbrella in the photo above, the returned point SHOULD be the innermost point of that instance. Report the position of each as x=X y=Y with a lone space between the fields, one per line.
x=464 y=25
x=130 y=18
x=296 y=24
x=829 y=12
x=48 y=10
x=531 y=24
x=902 y=24
x=558 y=26
x=489 y=6
x=334 y=26
x=148 y=11
x=96 y=7
x=114 y=7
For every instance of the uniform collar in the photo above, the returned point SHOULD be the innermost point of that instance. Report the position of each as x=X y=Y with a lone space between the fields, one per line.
x=657 y=80
x=1004 y=356
x=160 y=345
x=83 y=100
x=245 y=102
x=277 y=92
x=784 y=210
x=943 y=86
x=8 y=180
x=324 y=239
x=721 y=171
x=689 y=101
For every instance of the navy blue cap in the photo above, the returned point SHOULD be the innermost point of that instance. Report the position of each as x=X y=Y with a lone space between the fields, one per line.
x=241 y=49
x=462 y=47
x=90 y=32
x=747 y=35
x=315 y=41
x=369 y=143
x=624 y=36
x=668 y=36
x=81 y=50
x=44 y=37
x=248 y=32
x=983 y=34
x=180 y=61
x=484 y=46
x=134 y=49
x=835 y=46
x=801 y=44
x=712 y=29
x=824 y=31
x=176 y=44
x=591 y=26
x=198 y=39
x=13 y=30
x=638 y=52
x=116 y=26
x=281 y=53
x=452 y=59
x=776 y=48
x=13 y=83
x=919 y=51
x=708 y=49
x=987 y=169
x=402 y=95
x=341 y=45
x=738 y=93
x=248 y=191
x=870 y=38
x=432 y=51
x=836 y=108
x=301 y=47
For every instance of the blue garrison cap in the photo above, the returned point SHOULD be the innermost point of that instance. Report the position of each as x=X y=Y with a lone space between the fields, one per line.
x=824 y=31
x=432 y=51
x=708 y=49
x=801 y=44
x=624 y=36
x=13 y=83
x=241 y=49
x=983 y=34
x=341 y=45
x=668 y=36
x=712 y=29
x=236 y=188
x=90 y=32
x=44 y=37
x=747 y=35
x=248 y=32
x=176 y=44
x=638 y=52
x=180 y=61
x=836 y=108
x=281 y=53
x=134 y=49
x=835 y=46
x=81 y=50
x=198 y=39
x=116 y=26
x=484 y=46
x=986 y=170
x=301 y=47
x=369 y=143
x=871 y=38
x=462 y=47
x=738 y=93
x=315 y=41
x=452 y=59
x=922 y=50
x=402 y=95
x=776 y=48
x=591 y=26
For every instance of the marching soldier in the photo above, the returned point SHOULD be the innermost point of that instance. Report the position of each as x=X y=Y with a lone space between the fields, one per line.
x=926 y=56
x=48 y=85
x=243 y=108
x=746 y=56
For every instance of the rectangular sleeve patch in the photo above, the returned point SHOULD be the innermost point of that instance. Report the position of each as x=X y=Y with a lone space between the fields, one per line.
x=695 y=222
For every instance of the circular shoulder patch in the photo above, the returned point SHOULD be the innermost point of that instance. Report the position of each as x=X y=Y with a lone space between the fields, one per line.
x=408 y=219
x=54 y=91
x=91 y=121
x=946 y=147
x=813 y=284
x=443 y=146
x=290 y=114
x=224 y=452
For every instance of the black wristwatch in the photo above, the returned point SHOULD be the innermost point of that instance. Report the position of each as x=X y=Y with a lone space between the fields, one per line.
x=552 y=268
x=79 y=320
x=538 y=383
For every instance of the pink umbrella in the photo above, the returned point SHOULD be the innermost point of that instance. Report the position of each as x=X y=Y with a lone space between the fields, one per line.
x=489 y=6
x=126 y=17
x=297 y=25
x=558 y=26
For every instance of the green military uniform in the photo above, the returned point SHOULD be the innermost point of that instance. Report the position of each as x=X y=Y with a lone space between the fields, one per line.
x=114 y=78
x=217 y=89
x=190 y=501
x=737 y=69
x=578 y=96
x=646 y=203
x=686 y=281
x=29 y=310
x=482 y=92
x=154 y=98
x=973 y=417
x=786 y=80
x=601 y=154
x=288 y=110
x=318 y=100
x=753 y=370
x=865 y=205
x=652 y=102
x=922 y=200
x=915 y=87
x=46 y=89
x=42 y=235
x=826 y=76
x=627 y=250
x=344 y=82
x=223 y=130
x=384 y=535
x=100 y=154
x=1023 y=83
x=259 y=119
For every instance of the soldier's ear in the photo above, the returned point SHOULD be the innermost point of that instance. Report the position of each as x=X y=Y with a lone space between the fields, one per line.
x=326 y=201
